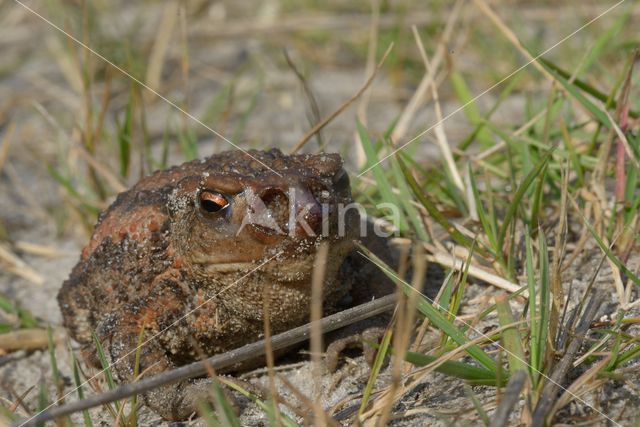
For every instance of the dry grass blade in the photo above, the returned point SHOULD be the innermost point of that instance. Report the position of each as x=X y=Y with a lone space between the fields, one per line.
x=160 y=46
x=28 y=339
x=173 y=104
x=268 y=350
x=441 y=136
x=510 y=35
x=342 y=107
x=19 y=402
x=313 y=103
x=317 y=290
x=42 y=250
x=101 y=170
x=17 y=266
x=428 y=80
x=585 y=383
x=449 y=261
x=292 y=23
x=372 y=50
x=404 y=326
x=66 y=64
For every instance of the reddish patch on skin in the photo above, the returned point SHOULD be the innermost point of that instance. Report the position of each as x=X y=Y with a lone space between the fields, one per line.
x=177 y=263
x=204 y=323
x=149 y=315
x=139 y=225
x=147 y=318
x=204 y=316
x=199 y=298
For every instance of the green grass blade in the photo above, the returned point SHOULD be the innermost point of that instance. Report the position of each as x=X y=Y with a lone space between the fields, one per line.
x=286 y=420
x=519 y=194
x=104 y=362
x=534 y=330
x=488 y=226
x=512 y=341
x=413 y=214
x=472 y=374
x=188 y=143
x=224 y=409
x=208 y=414
x=384 y=187
x=57 y=377
x=435 y=315
x=457 y=297
x=470 y=107
x=73 y=192
x=612 y=257
x=43 y=399
x=573 y=154
x=545 y=297
x=79 y=390
x=587 y=88
x=602 y=42
x=26 y=318
x=125 y=134
x=576 y=93
x=7 y=414
x=431 y=207
x=447 y=289
x=510 y=85
x=57 y=380
x=627 y=356
x=375 y=370
x=537 y=199
x=133 y=416
x=246 y=114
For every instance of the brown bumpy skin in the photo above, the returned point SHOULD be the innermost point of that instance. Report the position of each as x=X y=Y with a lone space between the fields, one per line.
x=174 y=257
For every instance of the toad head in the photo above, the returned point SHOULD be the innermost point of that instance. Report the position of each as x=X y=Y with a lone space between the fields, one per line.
x=240 y=211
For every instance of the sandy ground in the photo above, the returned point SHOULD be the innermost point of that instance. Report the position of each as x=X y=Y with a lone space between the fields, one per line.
x=42 y=107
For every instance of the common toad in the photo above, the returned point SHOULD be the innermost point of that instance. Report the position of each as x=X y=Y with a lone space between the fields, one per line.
x=185 y=255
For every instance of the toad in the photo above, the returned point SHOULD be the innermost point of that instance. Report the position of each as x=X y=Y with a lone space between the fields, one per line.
x=180 y=263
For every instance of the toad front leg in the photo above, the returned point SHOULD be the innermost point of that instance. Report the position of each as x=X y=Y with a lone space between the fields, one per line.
x=160 y=324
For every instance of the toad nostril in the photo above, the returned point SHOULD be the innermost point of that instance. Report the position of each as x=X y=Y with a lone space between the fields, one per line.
x=277 y=204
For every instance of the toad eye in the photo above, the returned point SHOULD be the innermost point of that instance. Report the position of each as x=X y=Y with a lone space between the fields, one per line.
x=212 y=201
